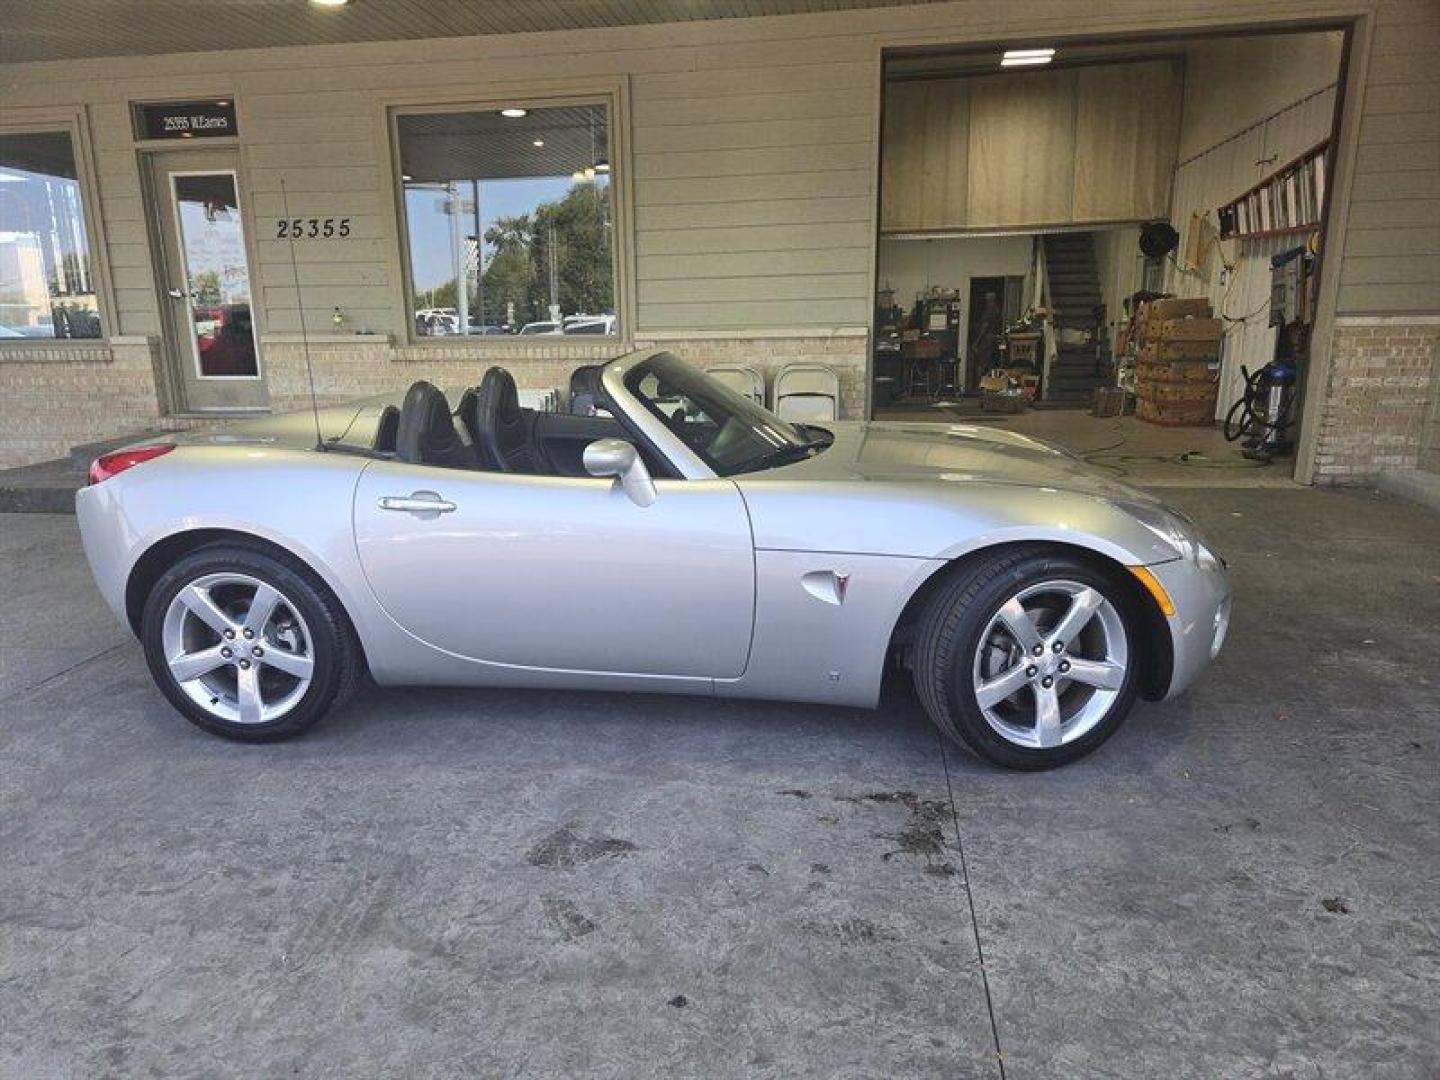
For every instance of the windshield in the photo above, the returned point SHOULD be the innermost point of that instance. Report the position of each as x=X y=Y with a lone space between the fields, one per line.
x=727 y=430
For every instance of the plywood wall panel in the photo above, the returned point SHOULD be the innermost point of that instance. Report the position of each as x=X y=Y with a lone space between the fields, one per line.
x=925 y=163
x=1022 y=150
x=1126 y=130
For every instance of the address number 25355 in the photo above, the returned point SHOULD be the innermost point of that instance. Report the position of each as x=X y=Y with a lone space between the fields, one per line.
x=312 y=228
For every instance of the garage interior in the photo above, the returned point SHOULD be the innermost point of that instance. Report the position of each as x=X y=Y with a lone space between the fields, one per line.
x=1031 y=205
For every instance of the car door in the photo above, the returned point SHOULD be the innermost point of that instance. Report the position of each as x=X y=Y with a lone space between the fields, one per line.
x=560 y=572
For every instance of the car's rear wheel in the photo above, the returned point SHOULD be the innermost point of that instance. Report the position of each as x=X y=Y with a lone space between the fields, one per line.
x=1029 y=658
x=246 y=645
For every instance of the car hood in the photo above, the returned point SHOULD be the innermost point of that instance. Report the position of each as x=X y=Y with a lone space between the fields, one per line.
x=949 y=454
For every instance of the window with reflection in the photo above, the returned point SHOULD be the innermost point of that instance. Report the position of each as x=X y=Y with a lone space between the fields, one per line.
x=509 y=218
x=47 y=279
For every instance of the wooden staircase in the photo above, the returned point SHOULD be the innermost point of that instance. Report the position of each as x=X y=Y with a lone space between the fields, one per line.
x=1075 y=296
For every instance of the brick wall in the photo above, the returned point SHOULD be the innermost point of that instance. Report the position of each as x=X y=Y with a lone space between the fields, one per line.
x=1378 y=411
x=55 y=396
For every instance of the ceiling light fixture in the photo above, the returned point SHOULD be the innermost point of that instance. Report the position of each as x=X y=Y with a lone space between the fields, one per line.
x=602 y=166
x=538 y=142
x=1026 y=57
x=406 y=177
x=514 y=113
x=329 y=3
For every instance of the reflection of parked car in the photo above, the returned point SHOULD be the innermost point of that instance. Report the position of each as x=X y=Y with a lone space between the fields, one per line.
x=589 y=324
x=540 y=328
x=227 y=347
x=436 y=322
x=1033 y=597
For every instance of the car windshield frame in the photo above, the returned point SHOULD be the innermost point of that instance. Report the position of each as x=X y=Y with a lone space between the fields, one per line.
x=755 y=438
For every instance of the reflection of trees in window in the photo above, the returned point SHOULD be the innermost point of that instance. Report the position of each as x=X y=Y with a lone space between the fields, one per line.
x=508 y=216
x=570 y=237
x=207 y=287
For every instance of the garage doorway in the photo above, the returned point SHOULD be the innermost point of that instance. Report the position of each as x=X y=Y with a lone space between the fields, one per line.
x=204 y=281
x=1100 y=176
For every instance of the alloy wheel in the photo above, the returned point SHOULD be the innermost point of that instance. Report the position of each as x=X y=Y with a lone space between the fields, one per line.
x=238 y=647
x=1050 y=664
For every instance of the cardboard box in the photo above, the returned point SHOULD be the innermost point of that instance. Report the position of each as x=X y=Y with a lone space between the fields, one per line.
x=1176 y=371
x=1175 y=414
x=1003 y=403
x=1188 y=330
x=1161 y=310
x=1157 y=352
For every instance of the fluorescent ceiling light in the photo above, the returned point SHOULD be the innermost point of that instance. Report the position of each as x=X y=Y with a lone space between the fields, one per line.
x=1026 y=57
x=514 y=113
x=538 y=142
x=329 y=3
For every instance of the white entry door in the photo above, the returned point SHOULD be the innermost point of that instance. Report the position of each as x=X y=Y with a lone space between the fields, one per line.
x=206 y=290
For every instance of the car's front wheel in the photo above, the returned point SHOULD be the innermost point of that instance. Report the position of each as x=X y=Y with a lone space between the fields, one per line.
x=1029 y=658
x=247 y=645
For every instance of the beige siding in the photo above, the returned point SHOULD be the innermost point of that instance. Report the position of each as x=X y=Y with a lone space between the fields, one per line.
x=754 y=156
x=1392 y=252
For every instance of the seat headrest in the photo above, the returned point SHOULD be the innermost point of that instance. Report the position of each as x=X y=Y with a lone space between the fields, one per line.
x=499 y=392
x=426 y=433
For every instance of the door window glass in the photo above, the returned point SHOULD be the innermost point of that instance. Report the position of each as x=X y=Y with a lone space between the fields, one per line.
x=217 y=274
x=47 y=281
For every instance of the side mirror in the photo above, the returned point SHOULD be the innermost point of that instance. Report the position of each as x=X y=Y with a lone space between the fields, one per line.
x=616 y=457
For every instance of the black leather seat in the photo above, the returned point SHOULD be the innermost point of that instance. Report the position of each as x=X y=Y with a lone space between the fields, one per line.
x=585 y=390
x=503 y=431
x=386 y=430
x=426 y=433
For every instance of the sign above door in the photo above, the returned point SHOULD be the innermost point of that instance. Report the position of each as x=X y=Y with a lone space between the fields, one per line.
x=186 y=120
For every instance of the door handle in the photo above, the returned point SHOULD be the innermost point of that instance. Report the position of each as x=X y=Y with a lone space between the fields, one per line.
x=425 y=504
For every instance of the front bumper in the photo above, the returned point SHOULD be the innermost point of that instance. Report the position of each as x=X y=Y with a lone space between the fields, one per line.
x=1202 y=617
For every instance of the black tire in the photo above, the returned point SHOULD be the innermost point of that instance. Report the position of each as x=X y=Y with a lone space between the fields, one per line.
x=333 y=646
x=1237 y=420
x=949 y=634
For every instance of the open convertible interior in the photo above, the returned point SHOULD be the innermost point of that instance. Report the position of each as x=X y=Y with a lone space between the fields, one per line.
x=489 y=430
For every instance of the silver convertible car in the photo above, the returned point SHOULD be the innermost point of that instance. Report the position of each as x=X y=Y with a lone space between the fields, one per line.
x=681 y=540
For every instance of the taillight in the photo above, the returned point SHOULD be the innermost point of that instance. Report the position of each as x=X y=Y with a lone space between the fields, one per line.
x=108 y=465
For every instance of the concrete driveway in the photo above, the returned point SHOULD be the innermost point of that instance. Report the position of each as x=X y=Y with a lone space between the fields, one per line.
x=1241 y=883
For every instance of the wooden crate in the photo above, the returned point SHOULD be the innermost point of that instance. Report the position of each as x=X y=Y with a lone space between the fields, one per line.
x=1108 y=401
